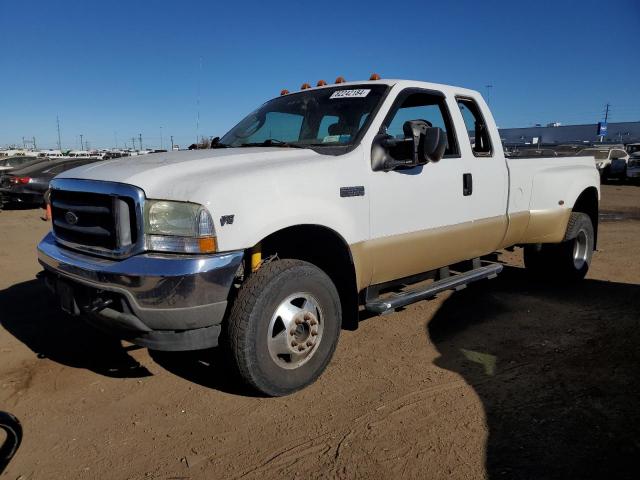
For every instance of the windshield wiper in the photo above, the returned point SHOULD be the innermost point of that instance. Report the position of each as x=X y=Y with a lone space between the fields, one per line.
x=272 y=142
x=215 y=143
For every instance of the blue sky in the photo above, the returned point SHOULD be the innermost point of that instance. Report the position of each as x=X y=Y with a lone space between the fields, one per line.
x=111 y=70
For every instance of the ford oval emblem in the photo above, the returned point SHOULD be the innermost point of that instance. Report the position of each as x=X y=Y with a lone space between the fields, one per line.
x=71 y=218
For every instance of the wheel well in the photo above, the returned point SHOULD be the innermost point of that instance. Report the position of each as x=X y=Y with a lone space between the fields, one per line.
x=587 y=203
x=326 y=249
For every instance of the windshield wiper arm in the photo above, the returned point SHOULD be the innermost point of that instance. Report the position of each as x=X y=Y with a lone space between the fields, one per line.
x=272 y=142
x=215 y=143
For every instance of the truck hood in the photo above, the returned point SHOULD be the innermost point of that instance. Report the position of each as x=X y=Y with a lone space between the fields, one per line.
x=173 y=175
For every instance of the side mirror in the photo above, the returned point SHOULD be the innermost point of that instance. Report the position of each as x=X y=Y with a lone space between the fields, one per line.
x=422 y=144
x=435 y=144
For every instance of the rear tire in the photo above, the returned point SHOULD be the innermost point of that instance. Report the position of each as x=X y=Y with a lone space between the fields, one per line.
x=568 y=260
x=284 y=326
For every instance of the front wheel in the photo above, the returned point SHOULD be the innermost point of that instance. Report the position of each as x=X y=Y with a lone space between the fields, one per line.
x=284 y=326
x=568 y=260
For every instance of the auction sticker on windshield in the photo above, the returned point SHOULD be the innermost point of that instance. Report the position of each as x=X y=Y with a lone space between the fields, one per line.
x=357 y=93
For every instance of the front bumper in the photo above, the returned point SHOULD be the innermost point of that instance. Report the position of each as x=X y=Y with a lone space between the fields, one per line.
x=160 y=301
x=9 y=195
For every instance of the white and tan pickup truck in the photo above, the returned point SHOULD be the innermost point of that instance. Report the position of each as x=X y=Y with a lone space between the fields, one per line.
x=319 y=204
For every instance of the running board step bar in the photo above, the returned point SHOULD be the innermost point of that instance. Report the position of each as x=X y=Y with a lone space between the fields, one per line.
x=457 y=281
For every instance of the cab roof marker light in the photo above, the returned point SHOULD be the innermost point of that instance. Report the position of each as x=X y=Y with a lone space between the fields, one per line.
x=321 y=83
x=374 y=76
x=284 y=91
x=305 y=86
x=340 y=79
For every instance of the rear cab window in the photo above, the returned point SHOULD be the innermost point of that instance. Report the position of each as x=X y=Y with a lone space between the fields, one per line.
x=476 y=127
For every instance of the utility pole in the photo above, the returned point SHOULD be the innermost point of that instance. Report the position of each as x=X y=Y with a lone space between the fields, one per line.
x=59 y=141
x=140 y=138
x=24 y=144
x=161 y=138
x=133 y=143
x=172 y=143
x=34 y=143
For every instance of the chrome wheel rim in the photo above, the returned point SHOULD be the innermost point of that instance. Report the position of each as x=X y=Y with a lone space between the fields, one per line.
x=295 y=330
x=580 y=250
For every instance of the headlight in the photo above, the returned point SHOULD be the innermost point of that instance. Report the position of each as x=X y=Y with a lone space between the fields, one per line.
x=178 y=227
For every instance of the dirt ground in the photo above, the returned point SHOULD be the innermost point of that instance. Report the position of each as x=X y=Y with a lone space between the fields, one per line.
x=509 y=378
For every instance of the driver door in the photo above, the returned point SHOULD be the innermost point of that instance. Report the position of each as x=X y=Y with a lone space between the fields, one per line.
x=420 y=217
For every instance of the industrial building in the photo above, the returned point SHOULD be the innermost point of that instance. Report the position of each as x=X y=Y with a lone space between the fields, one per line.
x=555 y=134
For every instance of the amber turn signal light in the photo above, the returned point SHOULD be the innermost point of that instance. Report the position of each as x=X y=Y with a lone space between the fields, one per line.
x=207 y=244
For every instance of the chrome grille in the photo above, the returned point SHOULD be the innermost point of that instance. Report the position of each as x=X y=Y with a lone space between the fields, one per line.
x=98 y=217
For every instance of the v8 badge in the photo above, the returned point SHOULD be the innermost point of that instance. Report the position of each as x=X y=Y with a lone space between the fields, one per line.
x=226 y=220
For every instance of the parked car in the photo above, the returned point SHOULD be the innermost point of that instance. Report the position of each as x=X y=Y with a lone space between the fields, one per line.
x=633 y=168
x=318 y=204
x=633 y=149
x=11 y=163
x=26 y=186
x=603 y=157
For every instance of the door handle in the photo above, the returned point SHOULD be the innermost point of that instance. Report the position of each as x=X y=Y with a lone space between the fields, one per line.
x=467 y=184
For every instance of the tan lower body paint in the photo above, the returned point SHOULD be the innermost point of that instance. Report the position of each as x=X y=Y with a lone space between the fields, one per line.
x=389 y=258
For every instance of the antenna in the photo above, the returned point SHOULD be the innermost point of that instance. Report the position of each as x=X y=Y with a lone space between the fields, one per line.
x=59 y=141
x=81 y=142
x=198 y=103
x=140 y=138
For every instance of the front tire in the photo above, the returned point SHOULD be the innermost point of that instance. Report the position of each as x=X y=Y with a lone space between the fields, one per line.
x=568 y=260
x=284 y=326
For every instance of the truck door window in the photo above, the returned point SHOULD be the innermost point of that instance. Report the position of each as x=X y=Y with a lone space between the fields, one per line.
x=476 y=127
x=422 y=106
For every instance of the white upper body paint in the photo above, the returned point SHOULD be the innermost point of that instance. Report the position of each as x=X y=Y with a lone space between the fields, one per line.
x=269 y=188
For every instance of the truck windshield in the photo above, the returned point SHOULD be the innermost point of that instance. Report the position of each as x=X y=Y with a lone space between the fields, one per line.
x=333 y=116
